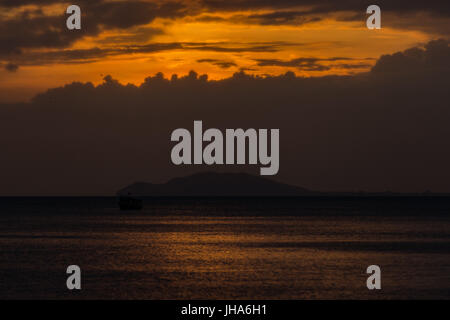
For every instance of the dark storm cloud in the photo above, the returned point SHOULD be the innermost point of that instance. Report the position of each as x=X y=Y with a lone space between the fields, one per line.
x=434 y=55
x=210 y=18
x=282 y=18
x=352 y=66
x=268 y=47
x=95 y=54
x=276 y=18
x=435 y=6
x=19 y=3
x=140 y=35
x=384 y=130
x=220 y=63
x=306 y=64
x=11 y=67
x=33 y=29
x=438 y=7
x=34 y=32
x=125 y=14
x=427 y=16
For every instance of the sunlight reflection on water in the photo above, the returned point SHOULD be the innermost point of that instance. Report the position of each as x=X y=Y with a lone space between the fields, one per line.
x=201 y=257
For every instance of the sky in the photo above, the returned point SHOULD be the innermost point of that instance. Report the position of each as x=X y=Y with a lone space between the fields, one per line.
x=87 y=112
x=133 y=39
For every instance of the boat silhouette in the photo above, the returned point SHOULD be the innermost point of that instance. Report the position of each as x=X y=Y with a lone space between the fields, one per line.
x=130 y=203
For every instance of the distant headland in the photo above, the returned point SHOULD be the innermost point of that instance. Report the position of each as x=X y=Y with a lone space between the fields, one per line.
x=212 y=184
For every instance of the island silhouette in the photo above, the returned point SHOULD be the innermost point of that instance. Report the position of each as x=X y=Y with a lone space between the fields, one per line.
x=214 y=184
x=211 y=184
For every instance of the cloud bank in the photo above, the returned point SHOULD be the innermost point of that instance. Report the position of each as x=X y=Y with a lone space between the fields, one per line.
x=27 y=25
x=384 y=130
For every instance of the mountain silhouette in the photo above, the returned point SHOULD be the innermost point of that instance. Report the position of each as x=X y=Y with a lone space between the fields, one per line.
x=211 y=184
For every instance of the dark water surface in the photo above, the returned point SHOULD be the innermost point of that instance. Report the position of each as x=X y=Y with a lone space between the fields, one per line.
x=312 y=248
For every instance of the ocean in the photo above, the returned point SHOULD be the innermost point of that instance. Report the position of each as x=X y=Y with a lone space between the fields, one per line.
x=252 y=248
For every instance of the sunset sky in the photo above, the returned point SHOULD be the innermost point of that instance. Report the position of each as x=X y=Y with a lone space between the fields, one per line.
x=131 y=40
x=87 y=112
